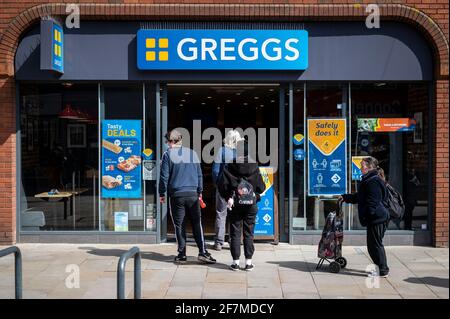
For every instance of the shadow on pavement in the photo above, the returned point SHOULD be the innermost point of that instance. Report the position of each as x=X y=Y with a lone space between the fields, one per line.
x=432 y=281
x=311 y=267
x=192 y=260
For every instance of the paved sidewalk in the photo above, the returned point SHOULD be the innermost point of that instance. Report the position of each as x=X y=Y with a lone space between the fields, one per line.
x=283 y=271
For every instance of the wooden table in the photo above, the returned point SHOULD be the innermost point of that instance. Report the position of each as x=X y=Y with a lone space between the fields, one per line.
x=61 y=195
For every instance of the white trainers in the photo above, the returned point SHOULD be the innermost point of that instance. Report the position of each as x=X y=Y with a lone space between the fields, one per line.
x=375 y=273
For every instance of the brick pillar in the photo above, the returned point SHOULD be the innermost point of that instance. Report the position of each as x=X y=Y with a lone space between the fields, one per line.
x=7 y=161
x=440 y=218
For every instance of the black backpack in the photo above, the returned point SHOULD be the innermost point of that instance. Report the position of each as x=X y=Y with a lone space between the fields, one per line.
x=244 y=194
x=394 y=203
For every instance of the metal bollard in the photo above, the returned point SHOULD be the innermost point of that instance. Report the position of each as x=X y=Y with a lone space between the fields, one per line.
x=17 y=268
x=137 y=273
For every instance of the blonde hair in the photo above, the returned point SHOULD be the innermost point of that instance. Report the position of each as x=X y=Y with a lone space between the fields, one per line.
x=232 y=138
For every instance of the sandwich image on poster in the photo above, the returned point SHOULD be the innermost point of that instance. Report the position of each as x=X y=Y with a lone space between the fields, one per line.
x=111 y=147
x=110 y=182
x=121 y=159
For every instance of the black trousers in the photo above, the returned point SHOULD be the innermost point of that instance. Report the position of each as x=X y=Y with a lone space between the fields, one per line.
x=179 y=208
x=239 y=215
x=375 y=234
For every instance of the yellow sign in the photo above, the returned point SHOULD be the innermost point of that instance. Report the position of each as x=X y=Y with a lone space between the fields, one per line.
x=326 y=134
x=356 y=160
x=267 y=176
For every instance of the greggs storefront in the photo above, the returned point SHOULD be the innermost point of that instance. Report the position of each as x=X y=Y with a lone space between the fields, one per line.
x=92 y=105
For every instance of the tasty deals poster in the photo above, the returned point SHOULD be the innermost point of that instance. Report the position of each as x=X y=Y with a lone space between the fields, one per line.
x=121 y=159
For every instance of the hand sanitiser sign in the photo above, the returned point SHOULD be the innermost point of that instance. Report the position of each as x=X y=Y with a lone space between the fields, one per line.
x=222 y=49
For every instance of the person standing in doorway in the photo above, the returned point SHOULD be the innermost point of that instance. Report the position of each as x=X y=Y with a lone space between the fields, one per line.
x=226 y=154
x=241 y=184
x=181 y=177
x=372 y=212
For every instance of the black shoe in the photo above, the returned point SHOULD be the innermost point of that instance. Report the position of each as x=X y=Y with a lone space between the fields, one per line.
x=181 y=259
x=206 y=257
x=234 y=267
x=249 y=267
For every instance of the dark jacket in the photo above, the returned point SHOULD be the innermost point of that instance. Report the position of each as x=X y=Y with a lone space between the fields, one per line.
x=371 y=191
x=181 y=174
x=233 y=172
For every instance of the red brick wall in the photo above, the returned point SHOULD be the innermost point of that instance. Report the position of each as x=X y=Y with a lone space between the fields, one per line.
x=441 y=158
x=7 y=161
x=12 y=24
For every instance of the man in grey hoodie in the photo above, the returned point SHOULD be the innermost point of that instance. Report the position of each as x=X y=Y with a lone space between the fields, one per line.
x=181 y=177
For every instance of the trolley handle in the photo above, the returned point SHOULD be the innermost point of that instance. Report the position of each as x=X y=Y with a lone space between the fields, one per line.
x=339 y=209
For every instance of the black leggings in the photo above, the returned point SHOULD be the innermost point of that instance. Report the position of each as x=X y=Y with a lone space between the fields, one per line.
x=245 y=215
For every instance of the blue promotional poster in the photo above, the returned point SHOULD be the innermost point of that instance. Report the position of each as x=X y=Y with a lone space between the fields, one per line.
x=121 y=159
x=264 y=225
x=327 y=161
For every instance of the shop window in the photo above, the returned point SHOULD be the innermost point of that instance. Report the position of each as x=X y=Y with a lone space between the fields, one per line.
x=402 y=153
x=323 y=101
x=122 y=189
x=59 y=157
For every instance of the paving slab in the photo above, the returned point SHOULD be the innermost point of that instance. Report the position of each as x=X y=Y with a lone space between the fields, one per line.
x=281 y=271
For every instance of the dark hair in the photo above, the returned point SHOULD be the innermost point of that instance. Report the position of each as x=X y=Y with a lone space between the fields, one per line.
x=381 y=173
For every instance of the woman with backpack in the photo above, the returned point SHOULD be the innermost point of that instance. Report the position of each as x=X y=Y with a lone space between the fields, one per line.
x=372 y=212
x=241 y=184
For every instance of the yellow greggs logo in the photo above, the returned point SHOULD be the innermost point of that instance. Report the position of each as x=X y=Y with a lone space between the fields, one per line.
x=150 y=43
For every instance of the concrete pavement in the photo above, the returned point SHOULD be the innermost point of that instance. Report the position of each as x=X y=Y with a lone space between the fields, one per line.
x=282 y=271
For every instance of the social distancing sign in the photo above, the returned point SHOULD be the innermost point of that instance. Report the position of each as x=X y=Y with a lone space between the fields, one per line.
x=327 y=160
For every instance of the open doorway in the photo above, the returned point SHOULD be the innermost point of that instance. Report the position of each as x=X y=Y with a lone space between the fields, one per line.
x=221 y=106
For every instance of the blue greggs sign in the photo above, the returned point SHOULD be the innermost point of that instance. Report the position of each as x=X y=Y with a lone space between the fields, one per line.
x=52 y=46
x=222 y=49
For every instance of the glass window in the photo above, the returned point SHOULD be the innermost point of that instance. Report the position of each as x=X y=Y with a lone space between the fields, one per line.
x=122 y=189
x=402 y=154
x=324 y=100
x=59 y=161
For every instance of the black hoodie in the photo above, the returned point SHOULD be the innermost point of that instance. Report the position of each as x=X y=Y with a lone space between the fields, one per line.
x=233 y=172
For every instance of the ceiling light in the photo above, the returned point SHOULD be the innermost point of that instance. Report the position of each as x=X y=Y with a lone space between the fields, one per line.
x=256 y=97
x=186 y=93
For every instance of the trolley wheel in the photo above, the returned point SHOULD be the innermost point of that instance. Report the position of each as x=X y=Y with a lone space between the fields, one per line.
x=335 y=267
x=342 y=262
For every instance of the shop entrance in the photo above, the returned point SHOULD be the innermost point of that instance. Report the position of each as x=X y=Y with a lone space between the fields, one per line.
x=222 y=107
